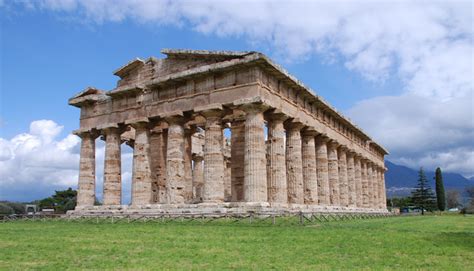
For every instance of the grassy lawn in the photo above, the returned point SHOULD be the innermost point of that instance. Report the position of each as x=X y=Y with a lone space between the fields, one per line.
x=430 y=242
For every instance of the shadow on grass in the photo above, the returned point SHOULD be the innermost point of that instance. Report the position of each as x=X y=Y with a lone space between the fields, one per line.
x=457 y=239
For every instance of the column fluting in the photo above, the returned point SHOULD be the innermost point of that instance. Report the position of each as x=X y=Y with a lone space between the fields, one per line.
x=294 y=163
x=333 y=169
x=112 y=194
x=175 y=171
x=277 y=184
x=310 y=179
x=322 y=169
x=86 y=184
x=141 y=171
x=343 y=178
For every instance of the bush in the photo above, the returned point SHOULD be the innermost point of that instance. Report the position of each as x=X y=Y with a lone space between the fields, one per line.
x=5 y=209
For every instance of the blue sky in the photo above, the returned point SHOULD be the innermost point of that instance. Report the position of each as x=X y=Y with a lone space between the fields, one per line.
x=403 y=76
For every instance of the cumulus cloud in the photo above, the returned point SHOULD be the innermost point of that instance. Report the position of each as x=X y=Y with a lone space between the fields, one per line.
x=426 y=45
x=34 y=164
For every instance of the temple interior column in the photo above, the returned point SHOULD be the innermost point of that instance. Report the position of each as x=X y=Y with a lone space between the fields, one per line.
x=198 y=178
x=237 y=147
x=333 y=169
x=358 y=181
x=112 y=194
x=310 y=181
x=175 y=171
x=294 y=163
x=277 y=186
x=351 y=185
x=255 y=168
x=213 y=157
x=86 y=185
x=343 y=179
x=141 y=172
x=322 y=170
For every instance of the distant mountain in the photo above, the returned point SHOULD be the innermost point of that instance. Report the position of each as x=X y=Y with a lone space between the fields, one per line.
x=400 y=180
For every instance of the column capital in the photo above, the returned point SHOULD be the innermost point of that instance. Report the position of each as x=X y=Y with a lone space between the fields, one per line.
x=343 y=148
x=174 y=118
x=138 y=122
x=210 y=110
x=254 y=107
x=83 y=133
x=351 y=153
x=309 y=131
x=276 y=115
x=333 y=144
x=322 y=139
x=294 y=124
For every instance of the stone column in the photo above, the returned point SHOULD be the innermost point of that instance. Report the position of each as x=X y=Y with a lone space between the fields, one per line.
x=365 y=195
x=112 y=167
x=175 y=171
x=141 y=172
x=188 y=167
x=333 y=170
x=198 y=178
x=384 y=192
x=379 y=188
x=375 y=187
x=213 y=157
x=310 y=181
x=358 y=181
x=294 y=163
x=277 y=187
x=322 y=170
x=86 y=185
x=351 y=179
x=158 y=163
x=343 y=179
x=237 y=147
x=255 y=169
x=370 y=186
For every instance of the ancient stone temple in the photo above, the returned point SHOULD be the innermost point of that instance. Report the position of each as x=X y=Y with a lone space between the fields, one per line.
x=223 y=132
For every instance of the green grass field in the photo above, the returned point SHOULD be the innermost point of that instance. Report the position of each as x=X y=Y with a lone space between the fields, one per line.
x=430 y=242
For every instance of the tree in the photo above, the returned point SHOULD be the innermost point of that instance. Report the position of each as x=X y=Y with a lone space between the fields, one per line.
x=469 y=208
x=440 y=194
x=423 y=196
x=61 y=201
x=5 y=209
x=453 y=198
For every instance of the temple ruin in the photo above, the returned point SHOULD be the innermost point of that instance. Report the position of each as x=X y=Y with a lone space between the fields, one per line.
x=222 y=132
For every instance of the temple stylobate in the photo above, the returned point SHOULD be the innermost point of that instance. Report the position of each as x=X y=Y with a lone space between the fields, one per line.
x=220 y=132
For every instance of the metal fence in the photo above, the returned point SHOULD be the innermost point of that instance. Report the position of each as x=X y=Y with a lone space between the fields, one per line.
x=254 y=219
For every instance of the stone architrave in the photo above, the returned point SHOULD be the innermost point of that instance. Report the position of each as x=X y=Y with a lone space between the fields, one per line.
x=175 y=161
x=141 y=171
x=86 y=185
x=277 y=186
x=351 y=179
x=213 y=157
x=333 y=169
x=294 y=163
x=322 y=169
x=343 y=176
x=237 y=159
x=310 y=181
x=112 y=194
x=358 y=180
x=255 y=168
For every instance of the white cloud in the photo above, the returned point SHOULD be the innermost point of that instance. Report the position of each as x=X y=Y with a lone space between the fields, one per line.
x=426 y=45
x=34 y=164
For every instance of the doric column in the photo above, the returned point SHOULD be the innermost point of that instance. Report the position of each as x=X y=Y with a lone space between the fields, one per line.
x=112 y=167
x=375 y=187
x=351 y=183
x=384 y=192
x=237 y=147
x=213 y=157
x=365 y=195
x=343 y=179
x=277 y=186
x=86 y=185
x=188 y=167
x=175 y=171
x=310 y=179
x=333 y=169
x=322 y=169
x=141 y=171
x=379 y=187
x=294 y=163
x=358 y=180
x=255 y=164
x=198 y=178
x=370 y=185
x=158 y=163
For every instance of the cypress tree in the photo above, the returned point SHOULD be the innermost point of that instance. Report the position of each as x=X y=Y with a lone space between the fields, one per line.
x=423 y=196
x=440 y=194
